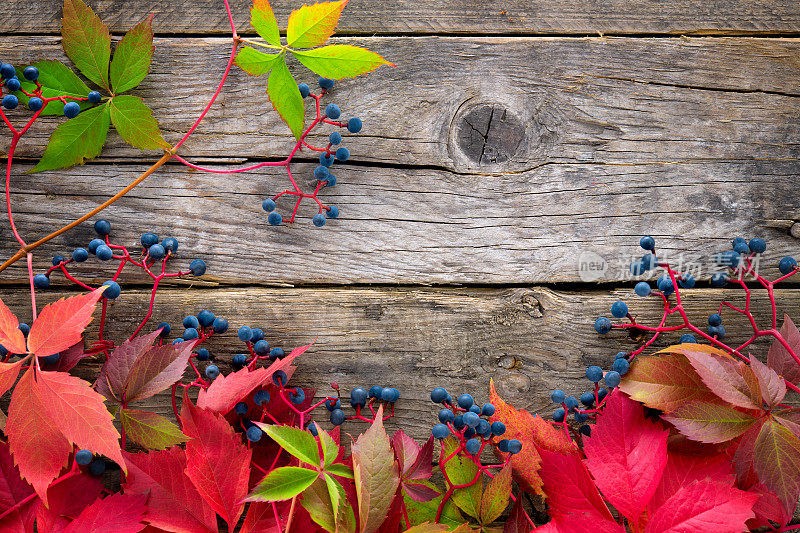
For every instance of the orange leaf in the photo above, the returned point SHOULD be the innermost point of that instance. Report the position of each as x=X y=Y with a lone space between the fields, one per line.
x=61 y=324
x=531 y=431
x=8 y=375
x=11 y=338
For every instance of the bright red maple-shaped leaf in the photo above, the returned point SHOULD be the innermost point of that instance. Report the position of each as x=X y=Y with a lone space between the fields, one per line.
x=51 y=411
x=13 y=490
x=11 y=338
x=61 y=324
x=779 y=358
x=626 y=455
x=223 y=394
x=118 y=513
x=217 y=462
x=67 y=499
x=704 y=506
x=533 y=432
x=173 y=503
x=684 y=468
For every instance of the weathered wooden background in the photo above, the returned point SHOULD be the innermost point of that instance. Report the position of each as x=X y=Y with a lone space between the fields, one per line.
x=511 y=137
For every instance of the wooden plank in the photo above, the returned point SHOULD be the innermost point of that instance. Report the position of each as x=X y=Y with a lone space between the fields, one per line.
x=492 y=105
x=528 y=340
x=439 y=16
x=422 y=226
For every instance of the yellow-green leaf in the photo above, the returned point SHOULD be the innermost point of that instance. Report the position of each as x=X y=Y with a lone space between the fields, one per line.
x=285 y=98
x=150 y=430
x=76 y=140
x=256 y=63
x=330 y=450
x=135 y=123
x=86 y=41
x=263 y=21
x=495 y=497
x=132 y=57
x=295 y=441
x=339 y=469
x=338 y=61
x=317 y=501
x=283 y=483
x=776 y=460
x=312 y=25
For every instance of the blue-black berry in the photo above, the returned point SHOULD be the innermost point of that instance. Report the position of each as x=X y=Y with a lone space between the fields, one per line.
x=358 y=397
x=473 y=446
x=35 y=104
x=95 y=97
x=602 y=325
x=80 y=255
x=687 y=338
x=261 y=397
x=319 y=220
x=212 y=372
x=446 y=415
x=717 y=331
x=10 y=101
x=241 y=409
x=642 y=288
x=156 y=252
x=31 y=73
x=326 y=83
x=332 y=212
x=326 y=159
x=261 y=347
x=665 y=285
x=335 y=138
x=254 y=433
x=164 y=327
x=13 y=85
x=440 y=431
x=58 y=259
x=587 y=398
x=559 y=414
x=102 y=227
x=203 y=354
x=720 y=279
x=786 y=265
x=438 y=394
x=342 y=154
x=97 y=467
x=71 y=109
x=337 y=417
x=170 y=244
x=274 y=219
x=354 y=125
x=687 y=281
x=244 y=333
x=149 y=239
x=558 y=396
x=498 y=428
x=298 y=396
x=190 y=334
x=594 y=373
x=276 y=353
x=205 y=318
x=83 y=457
x=113 y=291
x=279 y=378
x=648 y=243
x=7 y=70
x=619 y=309
x=613 y=378
x=465 y=401
x=305 y=90
x=41 y=281
x=239 y=360
x=757 y=245
x=197 y=267
x=332 y=111
x=471 y=419
x=220 y=325
x=104 y=253
x=268 y=205
x=621 y=366
x=714 y=320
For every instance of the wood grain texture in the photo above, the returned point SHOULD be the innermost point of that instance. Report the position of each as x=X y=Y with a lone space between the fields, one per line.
x=557 y=100
x=439 y=16
x=421 y=226
x=529 y=340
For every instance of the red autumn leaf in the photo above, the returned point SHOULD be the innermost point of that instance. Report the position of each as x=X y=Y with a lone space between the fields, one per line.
x=8 y=375
x=776 y=460
x=767 y=507
x=11 y=338
x=704 y=506
x=626 y=455
x=156 y=369
x=711 y=423
x=580 y=524
x=61 y=324
x=533 y=432
x=406 y=450
x=682 y=469
x=743 y=456
x=67 y=499
x=118 y=513
x=731 y=380
x=68 y=359
x=789 y=418
x=173 y=503
x=773 y=387
x=664 y=381
x=13 y=490
x=111 y=381
x=217 y=462
x=223 y=394
x=779 y=358
x=48 y=414
x=516 y=522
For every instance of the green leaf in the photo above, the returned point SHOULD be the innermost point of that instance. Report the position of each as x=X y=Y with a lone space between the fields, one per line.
x=132 y=57
x=335 y=491
x=295 y=441
x=711 y=423
x=150 y=430
x=263 y=21
x=254 y=62
x=86 y=41
x=76 y=140
x=496 y=495
x=283 y=483
x=339 y=469
x=776 y=460
x=425 y=512
x=285 y=98
x=330 y=450
x=317 y=501
x=312 y=25
x=135 y=123
x=339 y=61
x=461 y=471
x=56 y=79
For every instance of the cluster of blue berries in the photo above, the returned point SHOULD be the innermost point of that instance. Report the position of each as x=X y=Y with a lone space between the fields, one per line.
x=199 y=327
x=571 y=404
x=86 y=458
x=31 y=73
x=261 y=399
x=360 y=398
x=464 y=419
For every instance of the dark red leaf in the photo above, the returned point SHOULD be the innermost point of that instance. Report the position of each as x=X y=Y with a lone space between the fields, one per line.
x=419 y=492
x=118 y=513
x=773 y=387
x=67 y=499
x=779 y=359
x=405 y=450
x=569 y=489
x=116 y=369
x=423 y=464
x=517 y=522
x=13 y=489
x=68 y=359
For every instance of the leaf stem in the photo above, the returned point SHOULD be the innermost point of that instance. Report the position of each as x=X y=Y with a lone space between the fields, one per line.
x=256 y=43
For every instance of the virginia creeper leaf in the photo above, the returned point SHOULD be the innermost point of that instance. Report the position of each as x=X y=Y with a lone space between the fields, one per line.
x=111 y=381
x=86 y=41
x=731 y=380
x=462 y=470
x=425 y=511
x=626 y=455
x=135 y=123
x=768 y=506
x=337 y=61
x=295 y=441
x=704 y=506
x=427 y=528
x=264 y=22
x=76 y=140
x=150 y=430
x=155 y=370
x=419 y=492
x=376 y=474
x=312 y=25
x=66 y=500
x=13 y=490
x=61 y=324
x=217 y=461
x=780 y=359
x=8 y=375
x=11 y=338
x=286 y=98
x=68 y=358
x=789 y=418
x=517 y=523
x=132 y=57
x=56 y=79
x=532 y=431
x=330 y=449
x=256 y=63
x=711 y=423
x=683 y=469
x=664 y=382
x=776 y=460
x=773 y=387
x=405 y=450
x=339 y=469
x=118 y=513
x=48 y=414
x=495 y=496
x=283 y=483
x=173 y=502
x=317 y=501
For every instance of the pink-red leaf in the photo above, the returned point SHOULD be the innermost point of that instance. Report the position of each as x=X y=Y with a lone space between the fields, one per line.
x=780 y=359
x=158 y=368
x=61 y=324
x=173 y=504
x=683 y=469
x=773 y=387
x=731 y=380
x=711 y=423
x=114 y=372
x=626 y=455
x=419 y=492
x=217 y=462
x=118 y=513
x=405 y=450
x=569 y=489
x=704 y=506
x=67 y=499
x=11 y=338
x=8 y=375
x=776 y=460
x=13 y=490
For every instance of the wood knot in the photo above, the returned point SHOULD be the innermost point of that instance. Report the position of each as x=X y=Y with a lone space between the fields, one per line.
x=794 y=231
x=489 y=134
